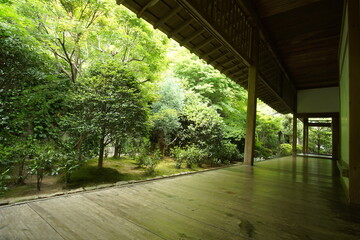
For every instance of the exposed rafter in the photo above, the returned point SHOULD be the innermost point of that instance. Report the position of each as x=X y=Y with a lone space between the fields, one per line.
x=220 y=33
x=148 y=5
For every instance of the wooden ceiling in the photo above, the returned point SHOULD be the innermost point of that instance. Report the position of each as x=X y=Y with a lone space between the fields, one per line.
x=306 y=36
x=298 y=40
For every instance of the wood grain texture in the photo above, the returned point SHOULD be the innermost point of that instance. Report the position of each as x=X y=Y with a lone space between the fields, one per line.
x=306 y=35
x=285 y=198
x=21 y=222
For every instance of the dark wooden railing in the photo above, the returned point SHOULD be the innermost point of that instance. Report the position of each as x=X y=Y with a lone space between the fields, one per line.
x=230 y=21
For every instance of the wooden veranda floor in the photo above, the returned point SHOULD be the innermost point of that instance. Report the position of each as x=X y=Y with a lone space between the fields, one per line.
x=283 y=198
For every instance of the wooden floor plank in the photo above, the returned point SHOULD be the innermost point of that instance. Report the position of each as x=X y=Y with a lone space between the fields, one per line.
x=21 y=222
x=75 y=217
x=165 y=222
x=287 y=198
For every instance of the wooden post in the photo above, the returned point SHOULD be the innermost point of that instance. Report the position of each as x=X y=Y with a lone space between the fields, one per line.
x=354 y=97
x=306 y=136
x=294 y=140
x=251 y=105
x=335 y=137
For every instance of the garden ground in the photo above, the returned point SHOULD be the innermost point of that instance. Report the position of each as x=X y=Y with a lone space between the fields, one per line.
x=114 y=170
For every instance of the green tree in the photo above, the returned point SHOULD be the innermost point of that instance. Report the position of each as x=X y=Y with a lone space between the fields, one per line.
x=202 y=125
x=165 y=113
x=320 y=140
x=121 y=35
x=109 y=104
x=223 y=94
x=63 y=27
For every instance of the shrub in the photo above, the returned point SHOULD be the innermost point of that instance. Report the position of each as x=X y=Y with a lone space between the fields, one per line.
x=147 y=160
x=152 y=161
x=4 y=177
x=285 y=149
x=42 y=161
x=190 y=155
x=263 y=152
x=179 y=155
x=69 y=162
x=226 y=152
x=299 y=148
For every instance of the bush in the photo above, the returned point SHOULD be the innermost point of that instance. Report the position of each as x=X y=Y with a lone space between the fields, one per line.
x=299 y=148
x=226 y=152
x=147 y=160
x=263 y=152
x=179 y=155
x=152 y=161
x=190 y=155
x=285 y=149
x=69 y=162
x=4 y=177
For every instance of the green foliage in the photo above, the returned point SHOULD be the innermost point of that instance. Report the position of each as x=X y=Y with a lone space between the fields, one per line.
x=202 y=125
x=299 y=148
x=67 y=163
x=43 y=158
x=320 y=140
x=92 y=175
x=17 y=158
x=227 y=152
x=4 y=178
x=165 y=114
x=148 y=160
x=191 y=155
x=107 y=104
x=122 y=36
x=178 y=154
x=262 y=151
x=285 y=149
x=79 y=75
x=224 y=153
x=224 y=95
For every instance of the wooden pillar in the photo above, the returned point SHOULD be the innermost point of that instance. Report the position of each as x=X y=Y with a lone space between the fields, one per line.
x=335 y=137
x=251 y=105
x=294 y=140
x=306 y=136
x=354 y=97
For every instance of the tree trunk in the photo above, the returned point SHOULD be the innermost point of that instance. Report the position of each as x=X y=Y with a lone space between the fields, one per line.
x=79 y=144
x=102 y=148
x=39 y=180
x=162 y=143
x=117 y=148
x=21 y=178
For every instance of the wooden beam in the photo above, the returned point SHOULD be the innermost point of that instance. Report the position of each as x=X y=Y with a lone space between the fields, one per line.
x=214 y=50
x=227 y=70
x=306 y=136
x=320 y=124
x=232 y=58
x=220 y=57
x=203 y=43
x=317 y=115
x=294 y=140
x=181 y=27
x=354 y=97
x=168 y=16
x=193 y=35
x=148 y=5
x=251 y=105
x=189 y=6
x=255 y=21
x=335 y=137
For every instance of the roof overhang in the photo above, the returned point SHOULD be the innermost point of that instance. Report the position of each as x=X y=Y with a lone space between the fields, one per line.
x=220 y=32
